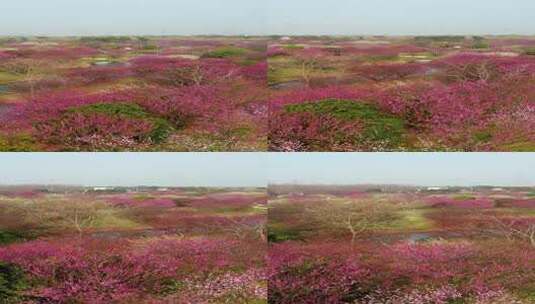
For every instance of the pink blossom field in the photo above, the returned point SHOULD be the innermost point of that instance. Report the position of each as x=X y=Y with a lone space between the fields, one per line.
x=401 y=245
x=132 y=94
x=186 y=245
x=450 y=93
x=436 y=93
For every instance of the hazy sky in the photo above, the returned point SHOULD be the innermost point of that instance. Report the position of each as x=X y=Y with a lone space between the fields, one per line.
x=256 y=169
x=515 y=169
x=162 y=169
x=402 y=17
x=389 y=17
x=131 y=17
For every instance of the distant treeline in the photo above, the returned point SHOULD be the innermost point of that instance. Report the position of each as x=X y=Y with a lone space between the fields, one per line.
x=284 y=189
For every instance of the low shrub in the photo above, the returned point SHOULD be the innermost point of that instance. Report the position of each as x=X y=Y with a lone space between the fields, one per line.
x=12 y=282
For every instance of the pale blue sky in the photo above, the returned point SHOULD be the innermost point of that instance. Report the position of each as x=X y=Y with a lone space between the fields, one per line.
x=161 y=169
x=506 y=169
x=402 y=17
x=256 y=169
x=182 y=17
x=131 y=17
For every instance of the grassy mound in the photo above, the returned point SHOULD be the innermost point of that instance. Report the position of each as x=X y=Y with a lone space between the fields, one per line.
x=225 y=52
x=161 y=127
x=379 y=126
x=8 y=237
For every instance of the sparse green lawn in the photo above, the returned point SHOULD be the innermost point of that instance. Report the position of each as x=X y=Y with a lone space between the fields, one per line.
x=523 y=146
x=112 y=219
x=284 y=74
x=18 y=143
x=284 y=69
x=6 y=77
x=411 y=220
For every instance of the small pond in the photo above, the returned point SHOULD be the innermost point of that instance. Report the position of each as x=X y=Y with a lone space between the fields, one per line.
x=109 y=64
x=4 y=88
x=292 y=84
x=420 y=237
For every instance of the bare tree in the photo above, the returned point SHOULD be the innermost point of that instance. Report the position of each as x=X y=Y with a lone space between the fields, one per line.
x=308 y=66
x=28 y=69
x=77 y=215
x=240 y=227
x=511 y=229
x=356 y=217
x=471 y=71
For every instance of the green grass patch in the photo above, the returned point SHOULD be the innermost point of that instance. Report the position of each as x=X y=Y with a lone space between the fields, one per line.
x=142 y=197
x=114 y=109
x=464 y=197
x=284 y=74
x=6 y=77
x=411 y=220
x=260 y=208
x=529 y=51
x=293 y=47
x=520 y=212
x=18 y=143
x=171 y=286
x=527 y=294
x=279 y=233
x=247 y=61
x=111 y=219
x=443 y=38
x=483 y=136
x=525 y=146
x=12 y=282
x=225 y=52
x=161 y=127
x=240 y=132
x=478 y=45
x=233 y=210
x=150 y=47
x=378 y=58
x=379 y=126
x=8 y=237
x=106 y=39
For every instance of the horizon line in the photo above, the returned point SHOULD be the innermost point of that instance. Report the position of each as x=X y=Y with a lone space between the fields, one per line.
x=258 y=35
x=270 y=184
